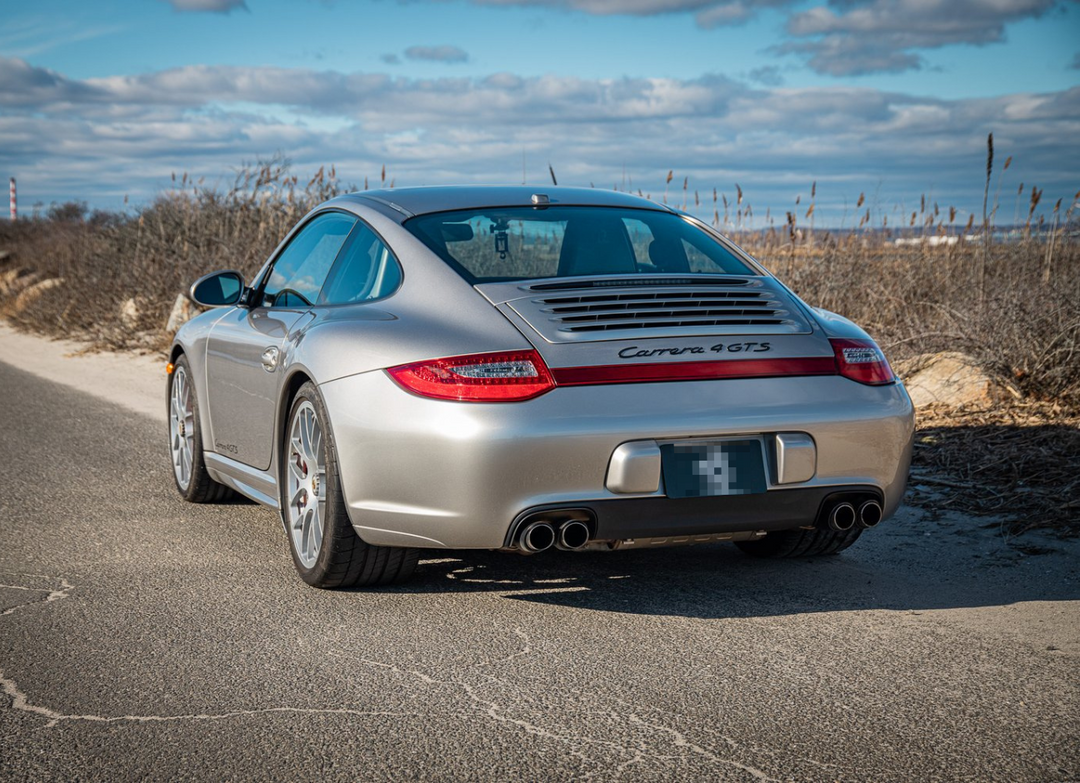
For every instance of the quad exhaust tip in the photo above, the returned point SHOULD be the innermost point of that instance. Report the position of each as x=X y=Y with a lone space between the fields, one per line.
x=574 y=535
x=536 y=537
x=842 y=517
x=869 y=514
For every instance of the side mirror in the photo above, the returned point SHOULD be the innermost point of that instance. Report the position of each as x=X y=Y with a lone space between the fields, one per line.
x=218 y=289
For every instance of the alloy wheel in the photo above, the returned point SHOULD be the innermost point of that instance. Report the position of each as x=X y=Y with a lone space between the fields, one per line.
x=181 y=427
x=306 y=483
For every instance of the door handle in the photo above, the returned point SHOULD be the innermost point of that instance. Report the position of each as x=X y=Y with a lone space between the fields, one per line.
x=270 y=358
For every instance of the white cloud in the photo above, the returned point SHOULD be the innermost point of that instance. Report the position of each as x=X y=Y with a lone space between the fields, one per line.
x=842 y=37
x=708 y=13
x=768 y=75
x=441 y=54
x=848 y=37
x=68 y=138
x=208 y=6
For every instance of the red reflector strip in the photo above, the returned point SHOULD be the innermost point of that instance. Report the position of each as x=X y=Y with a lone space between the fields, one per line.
x=689 y=371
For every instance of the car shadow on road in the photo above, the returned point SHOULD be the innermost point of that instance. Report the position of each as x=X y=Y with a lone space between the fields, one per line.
x=718 y=581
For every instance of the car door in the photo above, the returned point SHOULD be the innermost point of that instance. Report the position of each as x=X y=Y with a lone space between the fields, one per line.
x=246 y=347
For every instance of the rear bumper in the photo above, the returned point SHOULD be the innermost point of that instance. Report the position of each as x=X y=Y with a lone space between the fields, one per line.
x=430 y=473
x=660 y=517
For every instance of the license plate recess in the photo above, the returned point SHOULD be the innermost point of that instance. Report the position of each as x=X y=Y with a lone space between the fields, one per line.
x=693 y=469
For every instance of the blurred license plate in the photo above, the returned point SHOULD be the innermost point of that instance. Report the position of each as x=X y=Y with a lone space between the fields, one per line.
x=726 y=467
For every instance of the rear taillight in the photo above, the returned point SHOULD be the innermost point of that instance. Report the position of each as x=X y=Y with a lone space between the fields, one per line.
x=862 y=361
x=506 y=376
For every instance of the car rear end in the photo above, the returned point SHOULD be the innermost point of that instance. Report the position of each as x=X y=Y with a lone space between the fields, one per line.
x=659 y=399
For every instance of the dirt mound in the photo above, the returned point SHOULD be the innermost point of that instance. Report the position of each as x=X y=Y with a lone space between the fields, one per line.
x=954 y=379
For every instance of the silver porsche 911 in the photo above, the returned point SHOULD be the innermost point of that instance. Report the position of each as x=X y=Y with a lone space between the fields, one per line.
x=525 y=369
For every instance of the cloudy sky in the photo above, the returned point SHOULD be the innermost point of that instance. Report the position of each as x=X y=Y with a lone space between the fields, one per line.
x=891 y=98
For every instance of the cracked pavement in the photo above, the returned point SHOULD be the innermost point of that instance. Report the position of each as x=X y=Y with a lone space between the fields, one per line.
x=144 y=638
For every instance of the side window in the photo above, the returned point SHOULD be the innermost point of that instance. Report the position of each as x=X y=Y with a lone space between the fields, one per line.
x=299 y=272
x=699 y=262
x=365 y=270
x=641 y=236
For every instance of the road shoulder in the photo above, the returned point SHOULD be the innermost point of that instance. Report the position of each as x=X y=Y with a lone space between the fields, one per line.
x=135 y=382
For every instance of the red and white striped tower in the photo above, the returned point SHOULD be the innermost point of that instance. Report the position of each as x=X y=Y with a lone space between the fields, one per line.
x=14 y=202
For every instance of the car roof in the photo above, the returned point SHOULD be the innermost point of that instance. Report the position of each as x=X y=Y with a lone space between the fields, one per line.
x=408 y=202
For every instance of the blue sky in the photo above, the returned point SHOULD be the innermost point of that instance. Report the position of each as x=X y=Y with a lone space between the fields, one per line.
x=892 y=98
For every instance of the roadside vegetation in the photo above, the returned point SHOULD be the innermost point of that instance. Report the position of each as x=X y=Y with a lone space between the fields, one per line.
x=1010 y=302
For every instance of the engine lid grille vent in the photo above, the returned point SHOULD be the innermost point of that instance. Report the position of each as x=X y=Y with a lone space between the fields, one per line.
x=634 y=282
x=664 y=311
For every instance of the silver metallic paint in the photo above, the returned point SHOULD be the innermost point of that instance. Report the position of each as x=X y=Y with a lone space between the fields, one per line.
x=634 y=468
x=243 y=395
x=796 y=457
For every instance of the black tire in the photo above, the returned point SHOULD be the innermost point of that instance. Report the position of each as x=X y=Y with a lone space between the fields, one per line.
x=343 y=558
x=800 y=543
x=201 y=488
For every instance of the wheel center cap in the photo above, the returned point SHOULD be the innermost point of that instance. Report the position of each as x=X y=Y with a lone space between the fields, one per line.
x=180 y=428
x=315 y=486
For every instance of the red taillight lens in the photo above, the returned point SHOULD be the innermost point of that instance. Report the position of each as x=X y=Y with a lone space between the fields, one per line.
x=862 y=361
x=506 y=376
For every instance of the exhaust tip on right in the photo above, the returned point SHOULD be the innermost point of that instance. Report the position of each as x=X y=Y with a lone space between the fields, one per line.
x=870 y=513
x=574 y=535
x=842 y=517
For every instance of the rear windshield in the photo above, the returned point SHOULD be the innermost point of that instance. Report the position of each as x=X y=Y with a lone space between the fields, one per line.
x=524 y=243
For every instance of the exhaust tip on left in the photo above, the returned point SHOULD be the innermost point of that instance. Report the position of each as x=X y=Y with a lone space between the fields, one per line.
x=536 y=537
x=842 y=517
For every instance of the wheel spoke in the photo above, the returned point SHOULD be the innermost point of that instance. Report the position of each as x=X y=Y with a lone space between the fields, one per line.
x=305 y=438
x=301 y=433
x=316 y=445
x=316 y=531
x=298 y=449
x=307 y=532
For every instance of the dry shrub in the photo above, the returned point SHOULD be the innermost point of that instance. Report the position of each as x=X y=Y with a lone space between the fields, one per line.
x=915 y=300
x=154 y=254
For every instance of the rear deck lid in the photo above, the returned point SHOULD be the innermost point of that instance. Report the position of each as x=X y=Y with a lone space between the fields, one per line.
x=650 y=320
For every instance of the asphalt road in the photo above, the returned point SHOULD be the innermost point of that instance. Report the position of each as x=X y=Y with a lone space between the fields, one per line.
x=144 y=638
